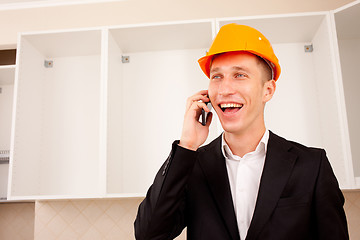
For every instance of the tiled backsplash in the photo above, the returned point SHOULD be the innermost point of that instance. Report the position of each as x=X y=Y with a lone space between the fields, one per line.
x=352 y=209
x=100 y=219
x=86 y=219
x=17 y=221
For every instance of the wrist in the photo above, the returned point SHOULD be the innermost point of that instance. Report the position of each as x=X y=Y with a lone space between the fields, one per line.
x=187 y=145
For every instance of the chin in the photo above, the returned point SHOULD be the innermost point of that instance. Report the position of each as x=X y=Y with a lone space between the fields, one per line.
x=231 y=127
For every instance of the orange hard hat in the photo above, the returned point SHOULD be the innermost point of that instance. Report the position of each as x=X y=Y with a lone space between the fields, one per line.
x=234 y=37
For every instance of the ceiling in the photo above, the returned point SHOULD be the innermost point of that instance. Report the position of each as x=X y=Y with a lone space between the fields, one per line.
x=18 y=4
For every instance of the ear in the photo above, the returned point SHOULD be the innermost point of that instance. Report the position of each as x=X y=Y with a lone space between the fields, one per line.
x=269 y=90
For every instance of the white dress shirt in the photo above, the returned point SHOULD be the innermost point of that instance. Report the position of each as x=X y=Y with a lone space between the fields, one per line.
x=244 y=177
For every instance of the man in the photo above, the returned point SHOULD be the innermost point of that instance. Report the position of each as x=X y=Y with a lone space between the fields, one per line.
x=248 y=183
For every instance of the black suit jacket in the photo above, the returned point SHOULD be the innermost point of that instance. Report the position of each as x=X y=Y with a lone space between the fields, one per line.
x=298 y=198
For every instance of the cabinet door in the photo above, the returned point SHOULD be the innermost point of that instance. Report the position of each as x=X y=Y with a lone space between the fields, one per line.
x=348 y=37
x=153 y=69
x=304 y=107
x=57 y=125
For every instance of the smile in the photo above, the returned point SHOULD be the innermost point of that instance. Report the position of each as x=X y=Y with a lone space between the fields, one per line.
x=230 y=107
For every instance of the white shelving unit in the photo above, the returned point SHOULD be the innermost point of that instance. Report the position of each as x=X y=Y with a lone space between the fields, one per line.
x=96 y=110
x=56 y=143
x=306 y=106
x=147 y=95
x=347 y=20
x=96 y=122
x=7 y=76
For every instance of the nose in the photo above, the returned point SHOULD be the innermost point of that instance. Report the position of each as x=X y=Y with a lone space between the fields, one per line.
x=226 y=87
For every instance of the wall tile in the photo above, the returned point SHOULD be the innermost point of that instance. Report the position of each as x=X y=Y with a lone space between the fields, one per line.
x=352 y=209
x=17 y=221
x=87 y=219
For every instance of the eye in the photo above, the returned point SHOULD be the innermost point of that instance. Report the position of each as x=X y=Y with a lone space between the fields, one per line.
x=216 y=76
x=240 y=75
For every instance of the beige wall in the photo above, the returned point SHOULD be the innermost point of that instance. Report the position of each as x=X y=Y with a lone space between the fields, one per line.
x=140 y=11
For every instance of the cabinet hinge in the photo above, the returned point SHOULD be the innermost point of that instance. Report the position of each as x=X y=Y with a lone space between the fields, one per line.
x=48 y=63
x=308 y=48
x=125 y=59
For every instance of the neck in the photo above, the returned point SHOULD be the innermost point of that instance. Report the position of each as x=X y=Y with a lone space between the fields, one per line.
x=243 y=143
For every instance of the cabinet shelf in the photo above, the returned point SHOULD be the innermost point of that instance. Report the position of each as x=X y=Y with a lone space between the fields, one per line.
x=65 y=44
x=163 y=37
x=280 y=29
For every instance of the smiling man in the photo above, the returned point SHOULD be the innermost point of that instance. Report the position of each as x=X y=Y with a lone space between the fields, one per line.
x=248 y=183
x=239 y=88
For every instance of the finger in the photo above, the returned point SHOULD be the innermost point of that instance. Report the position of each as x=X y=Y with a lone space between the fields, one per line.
x=203 y=92
x=196 y=98
x=199 y=105
x=196 y=108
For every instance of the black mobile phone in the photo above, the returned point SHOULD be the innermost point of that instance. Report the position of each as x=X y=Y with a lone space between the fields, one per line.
x=205 y=114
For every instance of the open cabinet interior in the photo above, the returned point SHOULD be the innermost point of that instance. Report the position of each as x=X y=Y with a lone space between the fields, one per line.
x=348 y=34
x=7 y=76
x=152 y=71
x=56 y=138
x=304 y=106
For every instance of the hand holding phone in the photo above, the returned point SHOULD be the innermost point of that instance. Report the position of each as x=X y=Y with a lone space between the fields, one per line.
x=193 y=133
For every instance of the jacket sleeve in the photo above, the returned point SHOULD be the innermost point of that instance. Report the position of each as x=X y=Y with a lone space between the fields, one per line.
x=161 y=215
x=329 y=202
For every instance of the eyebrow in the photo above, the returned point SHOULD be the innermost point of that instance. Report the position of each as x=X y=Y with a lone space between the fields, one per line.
x=237 y=68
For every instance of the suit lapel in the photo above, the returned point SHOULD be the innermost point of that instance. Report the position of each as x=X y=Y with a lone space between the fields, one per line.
x=214 y=168
x=277 y=169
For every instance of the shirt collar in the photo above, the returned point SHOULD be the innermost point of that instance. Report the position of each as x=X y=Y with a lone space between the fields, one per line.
x=261 y=146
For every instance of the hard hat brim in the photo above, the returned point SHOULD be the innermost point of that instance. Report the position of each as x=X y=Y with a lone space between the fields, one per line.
x=205 y=63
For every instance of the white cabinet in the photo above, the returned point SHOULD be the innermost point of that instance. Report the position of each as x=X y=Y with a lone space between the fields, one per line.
x=7 y=76
x=97 y=109
x=58 y=115
x=147 y=95
x=348 y=36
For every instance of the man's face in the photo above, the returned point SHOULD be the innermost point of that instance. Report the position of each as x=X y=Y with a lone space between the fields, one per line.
x=238 y=91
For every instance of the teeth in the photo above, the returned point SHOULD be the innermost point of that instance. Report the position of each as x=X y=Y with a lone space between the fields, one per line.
x=230 y=105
